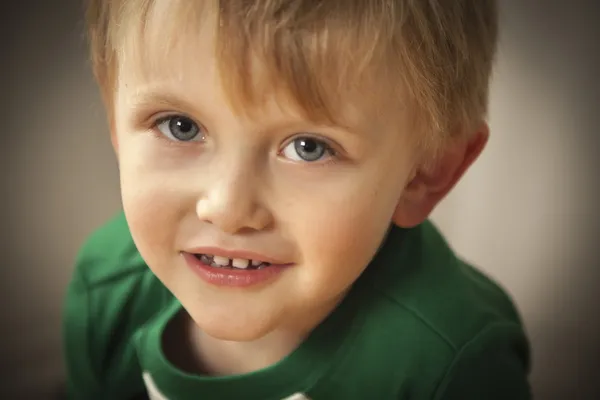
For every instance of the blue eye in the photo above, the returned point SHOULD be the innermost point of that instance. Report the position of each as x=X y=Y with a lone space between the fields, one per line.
x=179 y=128
x=307 y=149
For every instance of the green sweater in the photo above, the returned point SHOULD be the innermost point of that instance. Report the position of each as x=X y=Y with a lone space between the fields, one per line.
x=418 y=324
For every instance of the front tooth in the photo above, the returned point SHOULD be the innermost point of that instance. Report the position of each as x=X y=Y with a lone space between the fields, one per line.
x=256 y=263
x=240 y=263
x=224 y=261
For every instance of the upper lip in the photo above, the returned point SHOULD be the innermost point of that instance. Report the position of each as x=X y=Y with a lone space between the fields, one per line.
x=244 y=254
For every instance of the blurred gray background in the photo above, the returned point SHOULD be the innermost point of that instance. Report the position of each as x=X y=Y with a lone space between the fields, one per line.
x=526 y=213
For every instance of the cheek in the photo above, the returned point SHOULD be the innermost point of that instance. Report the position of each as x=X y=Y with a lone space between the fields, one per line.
x=151 y=226
x=347 y=242
x=151 y=209
x=339 y=238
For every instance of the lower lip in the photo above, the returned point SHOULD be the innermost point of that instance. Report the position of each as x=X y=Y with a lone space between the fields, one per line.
x=233 y=277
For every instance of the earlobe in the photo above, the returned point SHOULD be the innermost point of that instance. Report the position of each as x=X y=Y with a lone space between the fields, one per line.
x=428 y=187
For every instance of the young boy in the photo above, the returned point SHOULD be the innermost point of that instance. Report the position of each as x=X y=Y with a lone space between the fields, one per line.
x=278 y=163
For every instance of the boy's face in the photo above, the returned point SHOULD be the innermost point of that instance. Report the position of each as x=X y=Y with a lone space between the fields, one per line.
x=203 y=176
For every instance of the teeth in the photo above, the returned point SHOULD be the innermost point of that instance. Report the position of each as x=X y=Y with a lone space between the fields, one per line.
x=240 y=263
x=206 y=259
x=223 y=261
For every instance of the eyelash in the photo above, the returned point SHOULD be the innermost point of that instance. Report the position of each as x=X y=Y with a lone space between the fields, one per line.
x=156 y=121
x=334 y=155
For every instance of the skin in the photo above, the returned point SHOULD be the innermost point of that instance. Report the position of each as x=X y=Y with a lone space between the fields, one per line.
x=239 y=184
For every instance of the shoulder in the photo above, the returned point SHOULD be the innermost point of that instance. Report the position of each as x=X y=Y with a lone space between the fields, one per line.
x=418 y=272
x=108 y=255
x=447 y=312
x=109 y=266
x=111 y=296
x=111 y=274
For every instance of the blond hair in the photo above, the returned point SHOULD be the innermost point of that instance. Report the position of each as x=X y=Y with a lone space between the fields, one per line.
x=433 y=57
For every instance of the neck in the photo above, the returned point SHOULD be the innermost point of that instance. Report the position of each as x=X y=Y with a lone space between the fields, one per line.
x=217 y=357
x=220 y=357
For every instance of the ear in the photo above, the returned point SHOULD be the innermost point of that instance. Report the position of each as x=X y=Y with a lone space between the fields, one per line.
x=429 y=186
x=113 y=137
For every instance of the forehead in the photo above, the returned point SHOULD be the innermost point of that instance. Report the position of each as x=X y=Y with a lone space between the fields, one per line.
x=166 y=46
x=178 y=47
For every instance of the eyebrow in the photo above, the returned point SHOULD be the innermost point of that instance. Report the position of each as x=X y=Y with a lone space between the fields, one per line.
x=162 y=95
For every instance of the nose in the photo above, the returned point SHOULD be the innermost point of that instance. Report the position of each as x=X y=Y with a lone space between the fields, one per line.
x=232 y=203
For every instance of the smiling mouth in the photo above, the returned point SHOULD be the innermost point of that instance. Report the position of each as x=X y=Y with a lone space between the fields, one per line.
x=231 y=263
